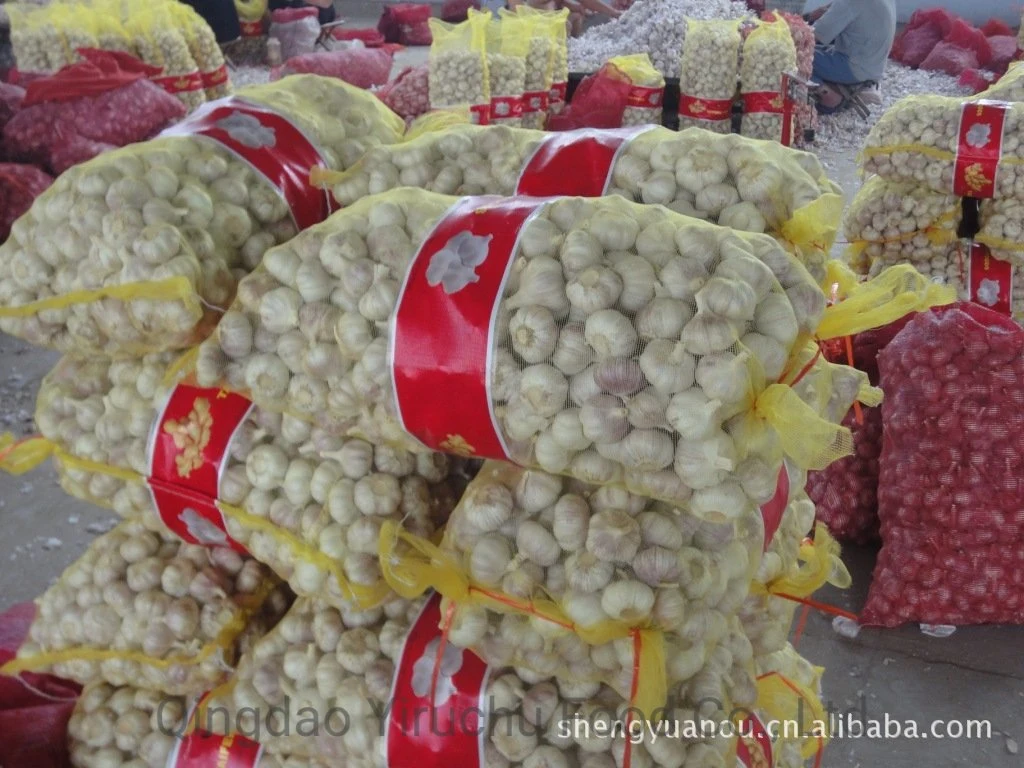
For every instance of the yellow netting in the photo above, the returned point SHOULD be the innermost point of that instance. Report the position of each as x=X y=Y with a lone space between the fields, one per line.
x=435 y=121
x=458 y=75
x=1010 y=87
x=251 y=10
x=768 y=54
x=540 y=61
x=553 y=25
x=507 y=44
x=162 y=43
x=639 y=70
x=203 y=46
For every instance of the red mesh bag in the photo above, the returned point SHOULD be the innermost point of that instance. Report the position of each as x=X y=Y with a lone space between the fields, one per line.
x=963 y=35
x=951 y=474
x=1004 y=48
x=408 y=95
x=368 y=36
x=996 y=28
x=19 y=186
x=845 y=493
x=406 y=23
x=913 y=44
x=951 y=59
x=457 y=11
x=93 y=103
x=599 y=102
x=11 y=97
x=361 y=67
x=975 y=79
x=34 y=709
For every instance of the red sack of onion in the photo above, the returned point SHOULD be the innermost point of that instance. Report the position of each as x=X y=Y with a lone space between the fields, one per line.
x=115 y=111
x=845 y=492
x=408 y=94
x=361 y=67
x=19 y=186
x=950 y=492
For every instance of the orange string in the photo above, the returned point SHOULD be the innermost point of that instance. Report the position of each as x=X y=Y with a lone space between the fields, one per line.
x=638 y=644
x=449 y=616
x=803 y=371
x=823 y=607
x=10 y=448
x=801 y=624
x=858 y=413
x=821 y=743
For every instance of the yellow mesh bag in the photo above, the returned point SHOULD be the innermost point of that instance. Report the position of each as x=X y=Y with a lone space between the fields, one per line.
x=540 y=59
x=458 y=75
x=435 y=121
x=251 y=10
x=507 y=43
x=160 y=41
x=709 y=69
x=139 y=608
x=140 y=248
x=742 y=183
x=315 y=523
x=554 y=26
x=899 y=223
x=731 y=365
x=919 y=139
x=644 y=568
x=37 y=38
x=110 y=32
x=644 y=106
x=203 y=46
x=768 y=54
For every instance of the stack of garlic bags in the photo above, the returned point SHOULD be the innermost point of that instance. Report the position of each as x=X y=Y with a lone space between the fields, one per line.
x=948 y=198
x=125 y=262
x=631 y=345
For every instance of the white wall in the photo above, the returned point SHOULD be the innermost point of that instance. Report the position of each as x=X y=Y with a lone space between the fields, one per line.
x=975 y=11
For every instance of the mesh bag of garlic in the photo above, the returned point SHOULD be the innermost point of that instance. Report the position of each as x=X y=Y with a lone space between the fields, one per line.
x=633 y=321
x=306 y=503
x=160 y=41
x=37 y=37
x=708 y=74
x=555 y=558
x=133 y=727
x=789 y=687
x=137 y=249
x=553 y=25
x=768 y=54
x=139 y=608
x=202 y=44
x=507 y=42
x=407 y=685
x=900 y=222
x=730 y=180
x=540 y=59
x=950 y=145
x=644 y=104
x=458 y=75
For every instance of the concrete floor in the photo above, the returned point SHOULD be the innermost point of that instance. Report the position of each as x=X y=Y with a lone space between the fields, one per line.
x=976 y=674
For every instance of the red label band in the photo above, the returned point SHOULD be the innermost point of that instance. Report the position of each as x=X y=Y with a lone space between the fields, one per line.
x=443 y=326
x=754 y=749
x=219 y=76
x=990 y=280
x=577 y=163
x=480 y=114
x=437 y=728
x=557 y=93
x=979 y=148
x=649 y=98
x=506 y=107
x=173 y=84
x=186 y=453
x=270 y=144
x=200 y=749
x=535 y=101
x=773 y=509
x=764 y=102
x=252 y=28
x=704 y=109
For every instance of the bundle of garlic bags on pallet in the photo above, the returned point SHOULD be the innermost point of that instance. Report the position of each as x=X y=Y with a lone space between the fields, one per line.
x=137 y=249
x=302 y=500
x=741 y=183
x=947 y=197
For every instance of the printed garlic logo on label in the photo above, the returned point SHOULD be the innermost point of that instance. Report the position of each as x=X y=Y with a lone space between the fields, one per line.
x=454 y=266
x=247 y=130
x=202 y=529
x=979 y=135
x=423 y=671
x=988 y=292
